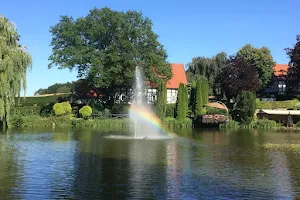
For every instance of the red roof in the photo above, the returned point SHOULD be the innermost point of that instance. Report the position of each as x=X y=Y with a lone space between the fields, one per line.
x=178 y=76
x=280 y=69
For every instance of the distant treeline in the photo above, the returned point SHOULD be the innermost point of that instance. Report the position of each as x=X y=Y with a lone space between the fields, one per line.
x=57 y=88
x=40 y=101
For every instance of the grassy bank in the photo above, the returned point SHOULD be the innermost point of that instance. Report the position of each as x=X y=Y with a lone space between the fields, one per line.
x=65 y=121
x=287 y=104
x=171 y=122
x=264 y=124
x=71 y=121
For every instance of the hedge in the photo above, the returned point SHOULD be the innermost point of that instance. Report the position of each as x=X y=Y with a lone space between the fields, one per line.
x=26 y=110
x=171 y=122
x=40 y=101
x=288 y=104
x=213 y=111
x=170 y=110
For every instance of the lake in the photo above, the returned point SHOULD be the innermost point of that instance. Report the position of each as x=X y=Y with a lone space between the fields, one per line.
x=197 y=164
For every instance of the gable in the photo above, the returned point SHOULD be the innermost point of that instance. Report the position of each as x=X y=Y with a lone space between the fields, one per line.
x=280 y=69
x=178 y=76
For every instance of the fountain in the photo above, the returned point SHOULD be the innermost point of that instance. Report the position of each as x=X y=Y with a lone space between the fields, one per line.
x=144 y=122
x=146 y=125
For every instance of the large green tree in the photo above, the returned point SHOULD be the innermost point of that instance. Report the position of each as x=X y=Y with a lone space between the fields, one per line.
x=14 y=62
x=209 y=68
x=261 y=59
x=106 y=46
x=293 y=75
x=238 y=75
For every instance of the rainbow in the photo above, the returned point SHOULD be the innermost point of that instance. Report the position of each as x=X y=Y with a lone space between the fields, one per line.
x=147 y=115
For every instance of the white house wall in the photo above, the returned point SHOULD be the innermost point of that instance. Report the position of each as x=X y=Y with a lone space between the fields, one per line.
x=121 y=95
x=172 y=95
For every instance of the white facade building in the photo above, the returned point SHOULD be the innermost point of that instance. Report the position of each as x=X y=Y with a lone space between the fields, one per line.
x=178 y=76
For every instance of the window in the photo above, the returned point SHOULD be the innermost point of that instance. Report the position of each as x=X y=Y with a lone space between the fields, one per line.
x=172 y=95
x=151 y=95
x=281 y=87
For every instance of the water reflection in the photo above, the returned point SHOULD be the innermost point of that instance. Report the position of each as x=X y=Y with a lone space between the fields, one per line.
x=84 y=164
x=10 y=169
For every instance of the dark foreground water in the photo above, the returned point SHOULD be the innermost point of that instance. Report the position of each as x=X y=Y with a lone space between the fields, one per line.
x=83 y=164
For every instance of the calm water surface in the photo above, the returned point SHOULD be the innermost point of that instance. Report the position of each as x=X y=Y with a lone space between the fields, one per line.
x=83 y=164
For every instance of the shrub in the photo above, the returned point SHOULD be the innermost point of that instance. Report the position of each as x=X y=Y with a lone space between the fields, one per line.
x=120 y=109
x=288 y=104
x=96 y=105
x=58 y=109
x=29 y=121
x=26 y=110
x=170 y=110
x=264 y=124
x=106 y=111
x=47 y=110
x=245 y=107
x=212 y=111
x=298 y=124
x=16 y=121
x=230 y=125
x=62 y=108
x=85 y=112
x=174 y=123
x=112 y=123
x=67 y=107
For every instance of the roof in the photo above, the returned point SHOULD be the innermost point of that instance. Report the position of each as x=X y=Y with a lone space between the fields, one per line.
x=279 y=112
x=178 y=76
x=217 y=105
x=280 y=69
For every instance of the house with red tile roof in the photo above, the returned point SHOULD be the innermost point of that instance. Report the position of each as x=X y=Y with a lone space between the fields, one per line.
x=280 y=70
x=178 y=76
x=278 y=84
x=125 y=94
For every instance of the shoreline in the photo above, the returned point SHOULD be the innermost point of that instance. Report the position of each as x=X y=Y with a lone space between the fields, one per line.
x=168 y=123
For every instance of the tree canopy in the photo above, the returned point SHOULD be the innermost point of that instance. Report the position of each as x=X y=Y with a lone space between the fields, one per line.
x=106 y=45
x=14 y=62
x=293 y=75
x=238 y=75
x=261 y=59
x=209 y=68
x=245 y=107
x=57 y=88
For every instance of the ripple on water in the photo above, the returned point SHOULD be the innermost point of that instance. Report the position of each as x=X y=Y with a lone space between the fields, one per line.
x=213 y=166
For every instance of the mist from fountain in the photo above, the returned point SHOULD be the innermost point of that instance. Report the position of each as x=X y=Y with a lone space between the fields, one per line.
x=145 y=122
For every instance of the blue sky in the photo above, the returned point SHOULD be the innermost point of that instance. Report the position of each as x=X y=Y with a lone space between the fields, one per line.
x=187 y=28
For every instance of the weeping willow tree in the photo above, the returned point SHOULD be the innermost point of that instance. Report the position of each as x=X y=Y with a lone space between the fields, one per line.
x=14 y=62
